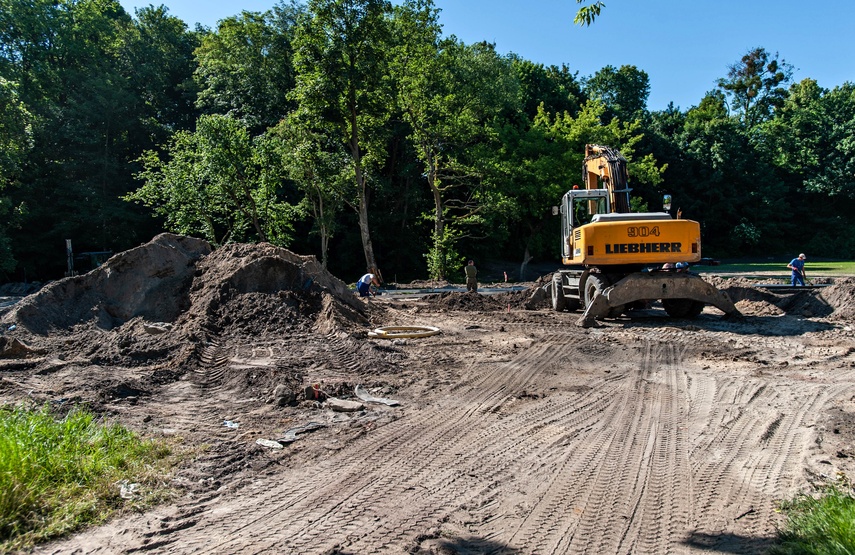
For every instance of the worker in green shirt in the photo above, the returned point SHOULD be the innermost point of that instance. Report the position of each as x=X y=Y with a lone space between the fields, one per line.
x=471 y=279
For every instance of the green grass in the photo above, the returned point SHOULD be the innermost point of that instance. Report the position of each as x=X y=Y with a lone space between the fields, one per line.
x=819 y=525
x=61 y=474
x=824 y=268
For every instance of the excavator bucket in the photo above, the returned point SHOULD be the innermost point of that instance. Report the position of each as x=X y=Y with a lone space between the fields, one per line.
x=652 y=286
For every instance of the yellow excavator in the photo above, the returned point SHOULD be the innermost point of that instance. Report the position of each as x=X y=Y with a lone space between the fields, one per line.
x=615 y=260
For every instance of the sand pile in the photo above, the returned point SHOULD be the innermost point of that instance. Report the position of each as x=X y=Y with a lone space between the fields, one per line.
x=160 y=300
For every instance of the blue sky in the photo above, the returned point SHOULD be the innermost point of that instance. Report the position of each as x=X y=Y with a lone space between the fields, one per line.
x=683 y=45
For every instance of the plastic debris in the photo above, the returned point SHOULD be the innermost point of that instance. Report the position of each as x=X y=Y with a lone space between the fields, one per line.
x=291 y=435
x=368 y=398
x=230 y=424
x=343 y=405
x=269 y=443
x=128 y=490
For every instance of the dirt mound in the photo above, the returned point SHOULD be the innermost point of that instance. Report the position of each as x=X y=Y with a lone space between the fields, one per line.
x=453 y=300
x=260 y=289
x=533 y=298
x=756 y=301
x=160 y=301
x=841 y=298
x=149 y=281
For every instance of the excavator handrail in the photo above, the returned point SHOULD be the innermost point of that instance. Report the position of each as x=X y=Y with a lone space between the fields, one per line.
x=615 y=217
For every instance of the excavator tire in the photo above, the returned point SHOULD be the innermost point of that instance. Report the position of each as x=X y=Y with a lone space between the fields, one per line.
x=559 y=302
x=682 y=308
x=595 y=285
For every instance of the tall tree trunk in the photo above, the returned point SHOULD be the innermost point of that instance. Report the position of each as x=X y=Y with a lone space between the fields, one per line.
x=362 y=207
x=438 y=221
x=527 y=257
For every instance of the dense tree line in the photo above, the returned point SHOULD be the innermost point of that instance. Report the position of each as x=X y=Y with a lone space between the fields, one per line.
x=355 y=130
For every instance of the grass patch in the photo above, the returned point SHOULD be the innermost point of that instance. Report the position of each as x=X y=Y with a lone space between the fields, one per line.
x=61 y=474
x=819 y=525
x=819 y=267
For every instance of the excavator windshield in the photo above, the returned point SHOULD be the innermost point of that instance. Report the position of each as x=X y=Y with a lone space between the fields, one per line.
x=585 y=208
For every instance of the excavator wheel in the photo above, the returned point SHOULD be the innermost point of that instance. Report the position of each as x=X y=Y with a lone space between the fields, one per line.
x=559 y=303
x=595 y=285
x=682 y=308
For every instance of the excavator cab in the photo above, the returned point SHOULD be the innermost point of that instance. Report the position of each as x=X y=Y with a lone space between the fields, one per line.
x=578 y=207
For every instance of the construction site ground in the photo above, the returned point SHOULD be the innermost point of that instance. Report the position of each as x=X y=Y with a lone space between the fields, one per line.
x=511 y=431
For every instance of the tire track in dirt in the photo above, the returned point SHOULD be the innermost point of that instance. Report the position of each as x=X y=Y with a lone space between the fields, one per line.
x=428 y=483
x=620 y=470
x=640 y=459
x=435 y=463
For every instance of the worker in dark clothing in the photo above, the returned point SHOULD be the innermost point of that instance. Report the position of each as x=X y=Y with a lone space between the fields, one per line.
x=471 y=279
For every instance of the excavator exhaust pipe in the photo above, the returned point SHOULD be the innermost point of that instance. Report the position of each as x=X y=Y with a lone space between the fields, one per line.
x=652 y=286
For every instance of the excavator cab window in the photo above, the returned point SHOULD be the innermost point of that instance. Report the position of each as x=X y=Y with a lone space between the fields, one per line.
x=585 y=208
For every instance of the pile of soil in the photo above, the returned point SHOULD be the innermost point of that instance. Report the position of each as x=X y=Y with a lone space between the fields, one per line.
x=162 y=299
x=532 y=298
x=453 y=300
x=756 y=301
x=840 y=297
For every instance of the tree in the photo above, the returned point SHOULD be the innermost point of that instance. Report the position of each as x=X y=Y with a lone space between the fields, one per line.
x=66 y=57
x=757 y=85
x=341 y=65
x=15 y=143
x=720 y=178
x=555 y=88
x=810 y=143
x=220 y=183
x=245 y=68
x=623 y=91
x=157 y=55
x=447 y=93
x=317 y=163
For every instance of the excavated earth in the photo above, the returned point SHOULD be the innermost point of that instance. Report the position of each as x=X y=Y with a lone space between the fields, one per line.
x=512 y=431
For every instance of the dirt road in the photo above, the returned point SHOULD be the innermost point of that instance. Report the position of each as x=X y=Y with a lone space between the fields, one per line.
x=517 y=432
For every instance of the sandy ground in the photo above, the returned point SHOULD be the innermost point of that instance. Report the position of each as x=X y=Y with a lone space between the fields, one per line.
x=512 y=431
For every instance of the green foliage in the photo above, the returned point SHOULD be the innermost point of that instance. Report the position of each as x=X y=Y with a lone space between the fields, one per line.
x=219 y=183
x=819 y=525
x=623 y=91
x=245 y=69
x=449 y=95
x=16 y=134
x=15 y=143
x=756 y=84
x=57 y=475
x=443 y=260
x=556 y=89
x=157 y=57
x=341 y=65
x=587 y=14
x=317 y=163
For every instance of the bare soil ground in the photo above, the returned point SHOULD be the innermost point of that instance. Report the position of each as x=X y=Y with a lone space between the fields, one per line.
x=515 y=432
